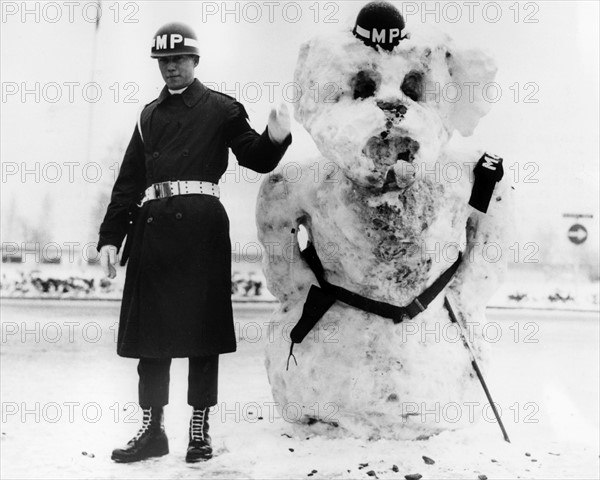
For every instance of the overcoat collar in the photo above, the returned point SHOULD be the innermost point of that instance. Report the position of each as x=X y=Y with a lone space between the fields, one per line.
x=191 y=95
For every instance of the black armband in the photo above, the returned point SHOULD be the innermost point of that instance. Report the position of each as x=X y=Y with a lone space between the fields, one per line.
x=488 y=172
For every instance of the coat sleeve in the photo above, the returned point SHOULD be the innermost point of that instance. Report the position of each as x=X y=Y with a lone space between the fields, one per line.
x=126 y=193
x=252 y=150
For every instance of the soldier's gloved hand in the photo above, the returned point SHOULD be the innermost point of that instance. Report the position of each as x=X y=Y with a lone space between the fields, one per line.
x=108 y=260
x=279 y=125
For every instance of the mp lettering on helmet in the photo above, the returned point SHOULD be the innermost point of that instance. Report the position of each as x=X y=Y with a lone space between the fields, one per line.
x=379 y=25
x=378 y=35
x=174 y=39
x=160 y=42
x=164 y=42
x=490 y=161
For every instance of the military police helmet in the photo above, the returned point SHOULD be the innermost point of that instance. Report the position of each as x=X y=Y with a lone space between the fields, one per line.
x=174 y=39
x=379 y=24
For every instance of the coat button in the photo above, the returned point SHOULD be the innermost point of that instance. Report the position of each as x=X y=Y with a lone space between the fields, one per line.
x=156 y=154
x=149 y=220
x=186 y=153
x=178 y=216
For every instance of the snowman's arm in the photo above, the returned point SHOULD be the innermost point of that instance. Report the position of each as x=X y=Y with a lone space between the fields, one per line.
x=487 y=247
x=278 y=215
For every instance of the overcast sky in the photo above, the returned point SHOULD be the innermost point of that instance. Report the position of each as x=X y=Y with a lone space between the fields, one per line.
x=546 y=52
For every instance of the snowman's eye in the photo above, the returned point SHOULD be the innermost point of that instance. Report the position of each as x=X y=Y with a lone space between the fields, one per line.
x=365 y=83
x=412 y=86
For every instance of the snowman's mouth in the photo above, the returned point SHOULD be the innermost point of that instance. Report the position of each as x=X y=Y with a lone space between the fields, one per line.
x=386 y=151
x=390 y=181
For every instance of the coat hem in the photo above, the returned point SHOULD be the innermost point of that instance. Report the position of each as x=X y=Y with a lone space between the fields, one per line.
x=173 y=355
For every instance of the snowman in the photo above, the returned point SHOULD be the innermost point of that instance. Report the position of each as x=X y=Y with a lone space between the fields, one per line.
x=406 y=227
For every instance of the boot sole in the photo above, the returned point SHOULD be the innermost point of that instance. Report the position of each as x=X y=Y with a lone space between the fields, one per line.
x=197 y=460
x=139 y=459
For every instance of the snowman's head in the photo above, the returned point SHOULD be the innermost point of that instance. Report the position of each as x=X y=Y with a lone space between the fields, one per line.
x=375 y=112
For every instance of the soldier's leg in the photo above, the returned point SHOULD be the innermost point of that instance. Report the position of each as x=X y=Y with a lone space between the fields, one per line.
x=153 y=389
x=203 y=381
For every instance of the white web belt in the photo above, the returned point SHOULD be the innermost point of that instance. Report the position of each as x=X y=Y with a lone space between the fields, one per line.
x=179 y=187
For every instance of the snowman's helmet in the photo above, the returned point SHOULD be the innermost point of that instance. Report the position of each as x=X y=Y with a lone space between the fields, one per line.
x=379 y=24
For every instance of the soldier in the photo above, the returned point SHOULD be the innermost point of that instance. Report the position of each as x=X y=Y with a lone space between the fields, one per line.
x=177 y=294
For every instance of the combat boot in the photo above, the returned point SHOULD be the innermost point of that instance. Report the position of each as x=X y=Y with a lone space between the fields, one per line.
x=199 y=448
x=150 y=441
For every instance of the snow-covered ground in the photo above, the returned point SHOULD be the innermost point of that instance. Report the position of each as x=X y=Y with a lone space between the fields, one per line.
x=68 y=400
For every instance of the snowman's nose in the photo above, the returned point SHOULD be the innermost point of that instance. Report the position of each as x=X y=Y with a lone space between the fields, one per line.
x=392 y=106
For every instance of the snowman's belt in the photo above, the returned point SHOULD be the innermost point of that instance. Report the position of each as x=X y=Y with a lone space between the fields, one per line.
x=320 y=299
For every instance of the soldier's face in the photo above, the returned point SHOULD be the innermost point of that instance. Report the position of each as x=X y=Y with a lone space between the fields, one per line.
x=178 y=70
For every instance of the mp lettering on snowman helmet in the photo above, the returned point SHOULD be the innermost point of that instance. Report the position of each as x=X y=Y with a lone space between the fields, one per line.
x=379 y=25
x=376 y=35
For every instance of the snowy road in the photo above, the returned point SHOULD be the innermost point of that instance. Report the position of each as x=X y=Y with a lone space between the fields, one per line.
x=67 y=400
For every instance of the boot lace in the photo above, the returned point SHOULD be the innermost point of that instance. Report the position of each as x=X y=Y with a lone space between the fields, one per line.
x=197 y=424
x=146 y=421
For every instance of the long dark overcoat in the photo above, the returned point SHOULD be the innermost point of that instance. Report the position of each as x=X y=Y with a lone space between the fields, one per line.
x=177 y=295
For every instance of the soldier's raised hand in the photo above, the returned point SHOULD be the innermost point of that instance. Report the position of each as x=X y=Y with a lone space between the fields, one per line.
x=279 y=124
x=108 y=260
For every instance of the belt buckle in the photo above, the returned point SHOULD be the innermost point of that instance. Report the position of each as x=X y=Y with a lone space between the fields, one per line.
x=162 y=190
x=414 y=308
x=419 y=305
